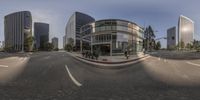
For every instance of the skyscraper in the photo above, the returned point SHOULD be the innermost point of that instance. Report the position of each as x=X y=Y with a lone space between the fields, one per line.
x=185 y=30
x=171 y=38
x=55 y=42
x=41 y=34
x=74 y=24
x=17 y=30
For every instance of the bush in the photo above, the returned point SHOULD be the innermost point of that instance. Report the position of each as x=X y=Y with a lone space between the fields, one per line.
x=56 y=49
x=68 y=47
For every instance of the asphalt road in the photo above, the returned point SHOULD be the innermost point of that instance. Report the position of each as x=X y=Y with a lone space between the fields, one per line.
x=58 y=76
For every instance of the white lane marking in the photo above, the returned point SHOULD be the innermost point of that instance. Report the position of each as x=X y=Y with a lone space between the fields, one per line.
x=3 y=66
x=188 y=62
x=22 y=59
x=25 y=58
x=72 y=78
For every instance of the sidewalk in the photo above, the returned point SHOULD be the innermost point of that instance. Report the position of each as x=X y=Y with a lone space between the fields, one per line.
x=111 y=61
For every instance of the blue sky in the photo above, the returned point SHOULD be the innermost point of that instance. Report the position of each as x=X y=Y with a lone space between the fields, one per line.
x=160 y=14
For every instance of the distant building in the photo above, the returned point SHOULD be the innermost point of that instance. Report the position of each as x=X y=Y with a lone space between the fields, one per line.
x=2 y=44
x=73 y=26
x=55 y=42
x=171 y=38
x=64 y=41
x=41 y=34
x=17 y=29
x=185 y=30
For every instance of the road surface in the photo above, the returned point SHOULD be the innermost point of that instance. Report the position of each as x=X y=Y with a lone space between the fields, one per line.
x=58 y=76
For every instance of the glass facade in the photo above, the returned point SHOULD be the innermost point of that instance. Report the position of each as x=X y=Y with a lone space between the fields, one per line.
x=113 y=37
x=171 y=38
x=41 y=34
x=186 y=30
x=17 y=29
x=72 y=30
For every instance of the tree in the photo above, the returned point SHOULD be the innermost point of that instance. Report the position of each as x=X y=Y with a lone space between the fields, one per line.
x=56 y=49
x=182 y=44
x=158 y=45
x=71 y=41
x=28 y=43
x=48 y=46
x=189 y=46
x=196 y=45
x=69 y=46
x=149 y=41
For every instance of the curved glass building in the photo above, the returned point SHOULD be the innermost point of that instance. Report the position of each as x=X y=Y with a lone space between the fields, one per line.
x=17 y=29
x=112 y=37
x=185 y=30
x=73 y=26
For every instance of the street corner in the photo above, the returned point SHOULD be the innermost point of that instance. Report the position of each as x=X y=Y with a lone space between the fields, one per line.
x=110 y=62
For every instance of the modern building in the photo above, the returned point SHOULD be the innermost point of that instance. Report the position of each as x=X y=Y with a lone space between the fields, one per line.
x=41 y=34
x=55 y=42
x=112 y=37
x=171 y=38
x=185 y=30
x=17 y=30
x=73 y=26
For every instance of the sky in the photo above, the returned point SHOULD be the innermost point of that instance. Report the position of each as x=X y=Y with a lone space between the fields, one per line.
x=160 y=14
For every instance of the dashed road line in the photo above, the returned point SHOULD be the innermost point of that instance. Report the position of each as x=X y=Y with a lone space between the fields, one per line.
x=72 y=78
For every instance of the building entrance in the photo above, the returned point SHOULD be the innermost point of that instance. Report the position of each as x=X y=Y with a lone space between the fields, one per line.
x=102 y=49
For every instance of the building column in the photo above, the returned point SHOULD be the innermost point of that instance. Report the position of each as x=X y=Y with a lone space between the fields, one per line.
x=81 y=44
x=91 y=44
x=111 y=46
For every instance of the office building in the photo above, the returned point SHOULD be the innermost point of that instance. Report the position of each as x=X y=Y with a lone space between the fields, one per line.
x=17 y=31
x=73 y=26
x=171 y=38
x=41 y=34
x=185 y=30
x=55 y=42
x=112 y=37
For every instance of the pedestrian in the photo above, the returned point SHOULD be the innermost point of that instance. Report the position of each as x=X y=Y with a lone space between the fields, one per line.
x=83 y=54
x=126 y=54
x=86 y=54
x=96 y=55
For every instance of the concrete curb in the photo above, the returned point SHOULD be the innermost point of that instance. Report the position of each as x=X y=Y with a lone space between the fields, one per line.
x=110 y=65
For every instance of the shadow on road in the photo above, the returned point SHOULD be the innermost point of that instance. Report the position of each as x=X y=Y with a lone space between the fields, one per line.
x=46 y=79
x=176 y=55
